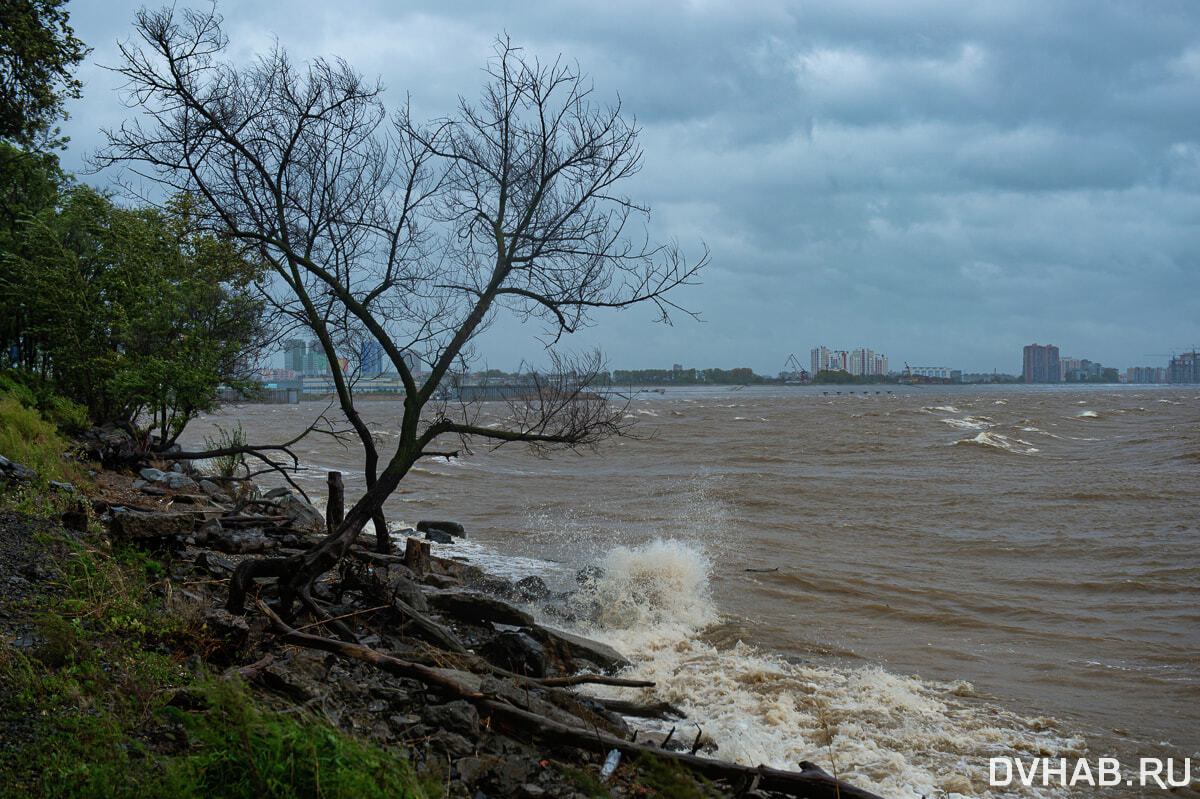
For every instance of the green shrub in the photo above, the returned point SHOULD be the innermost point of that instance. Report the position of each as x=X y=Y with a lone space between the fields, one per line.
x=241 y=750
x=10 y=384
x=28 y=439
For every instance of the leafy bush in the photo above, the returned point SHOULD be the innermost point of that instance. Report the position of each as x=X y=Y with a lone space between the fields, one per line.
x=28 y=439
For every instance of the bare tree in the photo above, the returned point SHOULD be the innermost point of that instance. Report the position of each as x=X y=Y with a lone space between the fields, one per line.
x=414 y=235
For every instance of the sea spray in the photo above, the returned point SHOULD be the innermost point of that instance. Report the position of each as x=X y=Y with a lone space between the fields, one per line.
x=900 y=736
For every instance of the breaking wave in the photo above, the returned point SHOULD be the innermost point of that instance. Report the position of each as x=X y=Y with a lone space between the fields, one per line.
x=998 y=441
x=900 y=736
x=969 y=423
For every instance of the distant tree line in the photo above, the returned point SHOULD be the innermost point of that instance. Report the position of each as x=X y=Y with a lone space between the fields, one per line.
x=741 y=376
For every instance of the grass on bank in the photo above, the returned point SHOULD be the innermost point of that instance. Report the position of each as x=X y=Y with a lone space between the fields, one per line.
x=105 y=697
x=104 y=706
x=32 y=438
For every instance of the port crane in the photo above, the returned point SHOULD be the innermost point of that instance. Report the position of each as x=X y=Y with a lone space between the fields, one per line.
x=793 y=373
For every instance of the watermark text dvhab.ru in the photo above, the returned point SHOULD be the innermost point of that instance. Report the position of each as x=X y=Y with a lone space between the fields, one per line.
x=1151 y=772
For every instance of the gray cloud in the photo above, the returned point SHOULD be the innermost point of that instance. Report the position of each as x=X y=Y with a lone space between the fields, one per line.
x=941 y=181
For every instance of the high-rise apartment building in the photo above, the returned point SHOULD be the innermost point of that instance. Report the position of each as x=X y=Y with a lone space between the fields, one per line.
x=1184 y=368
x=861 y=361
x=1146 y=374
x=1041 y=364
x=819 y=359
x=370 y=358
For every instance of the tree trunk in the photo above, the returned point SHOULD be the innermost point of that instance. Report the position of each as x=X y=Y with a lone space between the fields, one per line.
x=335 y=508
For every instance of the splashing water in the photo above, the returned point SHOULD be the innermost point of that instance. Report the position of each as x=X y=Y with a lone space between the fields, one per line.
x=901 y=736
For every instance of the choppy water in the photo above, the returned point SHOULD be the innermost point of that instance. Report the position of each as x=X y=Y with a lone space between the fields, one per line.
x=960 y=573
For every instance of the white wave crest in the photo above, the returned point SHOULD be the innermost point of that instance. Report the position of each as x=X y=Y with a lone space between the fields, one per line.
x=969 y=423
x=1000 y=442
x=900 y=736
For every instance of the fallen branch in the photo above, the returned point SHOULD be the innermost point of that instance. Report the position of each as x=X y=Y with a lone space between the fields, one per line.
x=593 y=679
x=658 y=710
x=809 y=782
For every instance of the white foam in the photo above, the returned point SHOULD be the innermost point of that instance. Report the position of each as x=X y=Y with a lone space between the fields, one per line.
x=1087 y=415
x=970 y=423
x=1000 y=442
x=899 y=736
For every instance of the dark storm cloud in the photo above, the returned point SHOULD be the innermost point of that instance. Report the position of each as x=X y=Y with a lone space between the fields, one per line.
x=941 y=181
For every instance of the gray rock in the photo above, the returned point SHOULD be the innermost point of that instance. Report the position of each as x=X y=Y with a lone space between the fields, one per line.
x=450 y=744
x=61 y=486
x=580 y=647
x=300 y=513
x=152 y=475
x=241 y=542
x=453 y=528
x=153 y=490
x=407 y=590
x=531 y=589
x=128 y=526
x=400 y=723
x=210 y=488
x=470 y=606
x=209 y=529
x=233 y=629
x=11 y=470
x=439 y=536
x=516 y=652
x=276 y=493
x=139 y=484
x=440 y=580
x=177 y=481
x=459 y=716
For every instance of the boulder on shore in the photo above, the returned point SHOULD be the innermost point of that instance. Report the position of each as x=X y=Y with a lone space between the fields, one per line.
x=579 y=647
x=300 y=513
x=129 y=526
x=438 y=536
x=10 y=470
x=453 y=528
x=478 y=608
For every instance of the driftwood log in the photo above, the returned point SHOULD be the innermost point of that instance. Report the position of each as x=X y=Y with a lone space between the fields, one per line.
x=810 y=781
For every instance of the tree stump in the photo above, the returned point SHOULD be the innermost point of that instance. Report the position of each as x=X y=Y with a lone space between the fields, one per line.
x=416 y=556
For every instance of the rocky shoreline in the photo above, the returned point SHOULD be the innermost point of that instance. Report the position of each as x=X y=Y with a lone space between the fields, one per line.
x=428 y=656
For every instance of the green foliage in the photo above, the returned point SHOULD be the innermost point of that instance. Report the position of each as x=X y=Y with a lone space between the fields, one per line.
x=840 y=377
x=227 y=465
x=131 y=311
x=92 y=707
x=28 y=439
x=587 y=783
x=38 y=50
x=671 y=780
x=741 y=376
x=242 y=751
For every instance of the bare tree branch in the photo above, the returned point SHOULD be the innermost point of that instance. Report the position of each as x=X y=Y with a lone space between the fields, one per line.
x=414 y=235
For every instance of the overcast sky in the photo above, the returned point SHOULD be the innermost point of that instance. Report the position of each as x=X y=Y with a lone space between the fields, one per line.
x=943 y=182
